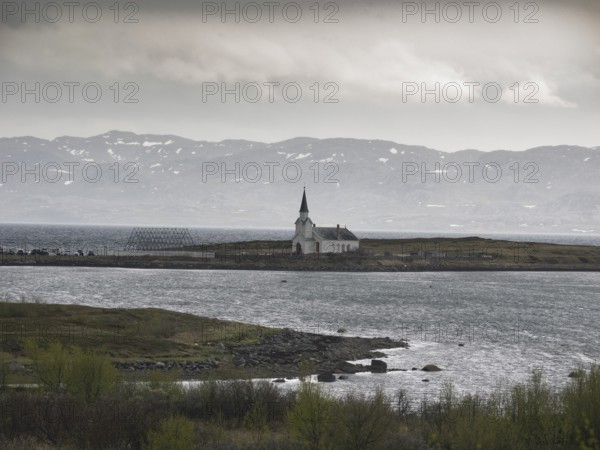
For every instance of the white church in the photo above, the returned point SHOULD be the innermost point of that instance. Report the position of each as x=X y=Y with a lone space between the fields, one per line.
x=310 y=238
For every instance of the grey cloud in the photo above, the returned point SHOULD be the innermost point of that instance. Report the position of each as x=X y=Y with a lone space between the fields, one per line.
x=370 y=52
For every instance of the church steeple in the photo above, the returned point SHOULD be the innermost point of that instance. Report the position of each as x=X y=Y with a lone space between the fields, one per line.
x=304 y=205
x=304 y=224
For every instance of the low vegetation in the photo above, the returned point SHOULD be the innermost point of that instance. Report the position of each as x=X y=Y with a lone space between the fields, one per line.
x=140 y=342
x=100 y=413
x=418 y=254
x=76 y=399
x=119 y=334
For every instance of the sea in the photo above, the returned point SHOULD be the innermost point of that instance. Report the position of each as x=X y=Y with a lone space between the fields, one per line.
x=486 y=330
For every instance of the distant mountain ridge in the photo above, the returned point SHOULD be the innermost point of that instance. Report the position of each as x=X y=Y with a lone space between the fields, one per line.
x=364 y=184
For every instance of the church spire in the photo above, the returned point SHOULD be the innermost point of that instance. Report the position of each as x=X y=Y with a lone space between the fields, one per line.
x=304 y=205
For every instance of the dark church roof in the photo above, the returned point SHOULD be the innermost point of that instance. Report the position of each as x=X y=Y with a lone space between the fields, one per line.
x=330 y=234
x=304 y=205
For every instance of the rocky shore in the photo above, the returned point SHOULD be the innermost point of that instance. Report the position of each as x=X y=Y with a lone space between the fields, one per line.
x=188 y=367
x=291 y=352
x=287 y=354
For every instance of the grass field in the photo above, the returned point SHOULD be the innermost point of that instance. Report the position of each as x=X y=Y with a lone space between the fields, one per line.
x=125 y=334
x=470 y=253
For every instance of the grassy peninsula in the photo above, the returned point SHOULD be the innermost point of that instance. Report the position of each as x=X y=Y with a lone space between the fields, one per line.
x=143 y=342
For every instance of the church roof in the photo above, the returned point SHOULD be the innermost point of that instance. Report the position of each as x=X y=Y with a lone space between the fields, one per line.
x=304 y=205
x=330 y=234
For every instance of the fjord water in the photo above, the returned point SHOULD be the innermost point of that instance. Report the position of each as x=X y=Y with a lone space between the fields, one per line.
x=509 y=322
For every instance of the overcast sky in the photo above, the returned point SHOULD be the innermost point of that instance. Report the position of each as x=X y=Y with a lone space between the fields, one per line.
x=373 y=58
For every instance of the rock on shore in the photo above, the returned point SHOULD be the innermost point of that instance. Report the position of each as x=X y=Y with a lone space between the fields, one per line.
x=289 y=353
x=283 y=353
x=187 y=366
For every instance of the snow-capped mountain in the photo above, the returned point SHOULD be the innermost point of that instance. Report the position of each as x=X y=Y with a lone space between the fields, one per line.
x=125 y=178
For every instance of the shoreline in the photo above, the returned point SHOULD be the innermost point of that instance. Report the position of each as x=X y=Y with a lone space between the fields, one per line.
x=374 y=255
x=176 y=266
x=142 y=342
x=286 y=355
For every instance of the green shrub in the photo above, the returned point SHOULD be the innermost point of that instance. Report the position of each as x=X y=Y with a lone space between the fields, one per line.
x=50 y=364
x=89 y=375
x=219 y=401
x=311 y=419
x=84 y=374
x=175 y=433
x=364 y=422
x=4 y=369
x=581 y=404
x=257 y=422
x=166 y=381
x=527 y=416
